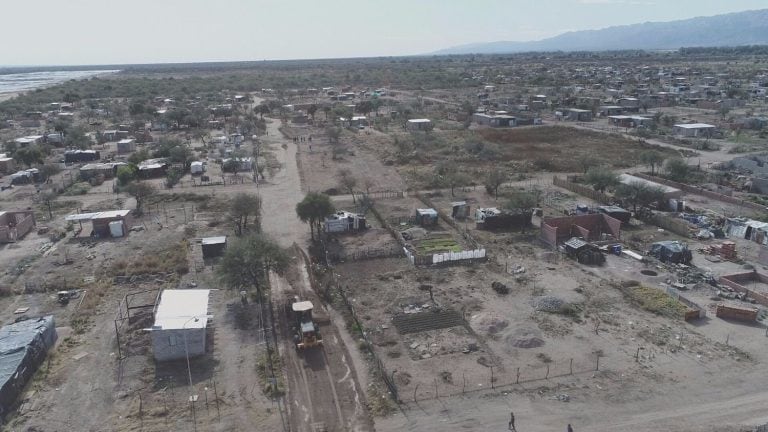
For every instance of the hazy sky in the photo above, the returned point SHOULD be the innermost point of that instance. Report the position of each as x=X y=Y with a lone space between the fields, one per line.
x=64 y=32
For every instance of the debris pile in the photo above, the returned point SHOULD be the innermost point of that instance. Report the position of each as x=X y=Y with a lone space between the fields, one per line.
x=547 y=304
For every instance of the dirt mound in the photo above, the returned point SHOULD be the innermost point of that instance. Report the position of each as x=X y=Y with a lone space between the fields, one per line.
x=487 y=323
x=524 y=338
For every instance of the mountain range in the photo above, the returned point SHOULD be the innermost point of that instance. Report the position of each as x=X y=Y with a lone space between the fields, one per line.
x=733 y=29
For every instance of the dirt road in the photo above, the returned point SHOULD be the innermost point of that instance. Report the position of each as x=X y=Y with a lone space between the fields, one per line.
x=282 y=192
x=322 y=386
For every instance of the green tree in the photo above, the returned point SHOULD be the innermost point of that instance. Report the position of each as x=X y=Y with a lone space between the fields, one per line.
x=28 y=156
x=447 y=174
x=140 y=191
x=652 y=158
x=347 y=181
x=264 y=109
x=586 y=162
x=639 y=194
x=677 y=169
x=313 y=209
x=49 y=170
x=364 y=107
x=172 y=177
x=76 y=137
x=312 y=110
x=138 y=156
x=231 y=165
x=126 y=174
x=523 y=200
x=601 y=178
x=247 y=262
x=495 y=178
x=243 y=207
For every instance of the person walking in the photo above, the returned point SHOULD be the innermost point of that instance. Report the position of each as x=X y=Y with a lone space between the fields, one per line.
x=570 y=429
x=512 y=421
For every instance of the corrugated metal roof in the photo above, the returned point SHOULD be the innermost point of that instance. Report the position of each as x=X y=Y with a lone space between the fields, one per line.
x=214 y=240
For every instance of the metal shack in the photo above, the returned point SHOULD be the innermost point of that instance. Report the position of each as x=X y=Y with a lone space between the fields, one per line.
x=113 y=223
x=213 y=246
x=181 y=320
x=343 y=221
x=426 y=217
x=23 y=346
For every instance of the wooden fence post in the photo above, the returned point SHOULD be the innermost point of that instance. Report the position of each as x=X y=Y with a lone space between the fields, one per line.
x=571 y=367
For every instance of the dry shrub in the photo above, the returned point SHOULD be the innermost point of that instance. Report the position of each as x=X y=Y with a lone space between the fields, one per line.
x=173 y=259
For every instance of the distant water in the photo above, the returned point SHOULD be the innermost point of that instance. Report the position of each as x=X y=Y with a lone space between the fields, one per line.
x=22 y=82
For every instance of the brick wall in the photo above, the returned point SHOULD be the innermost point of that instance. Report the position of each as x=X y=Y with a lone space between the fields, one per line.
x=735 y=281
x=590 y=227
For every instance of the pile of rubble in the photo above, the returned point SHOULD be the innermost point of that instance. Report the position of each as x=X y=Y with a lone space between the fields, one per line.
x=547 y=304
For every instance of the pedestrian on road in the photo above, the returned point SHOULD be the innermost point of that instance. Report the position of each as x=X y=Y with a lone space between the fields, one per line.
x=512 y=421
x=570 y=429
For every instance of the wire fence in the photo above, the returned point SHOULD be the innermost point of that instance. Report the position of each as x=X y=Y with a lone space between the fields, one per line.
x=449 y=383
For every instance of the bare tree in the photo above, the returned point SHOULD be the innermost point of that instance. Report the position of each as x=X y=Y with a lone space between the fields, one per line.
x=347 y=181
x=495 y=179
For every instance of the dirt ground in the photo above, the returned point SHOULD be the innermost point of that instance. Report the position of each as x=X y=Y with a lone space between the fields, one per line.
x=363 y=157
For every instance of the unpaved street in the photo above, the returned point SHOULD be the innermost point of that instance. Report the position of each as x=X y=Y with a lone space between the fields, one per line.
x=322 y=385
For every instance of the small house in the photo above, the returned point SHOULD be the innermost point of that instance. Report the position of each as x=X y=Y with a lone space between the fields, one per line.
x=674 y=252
x=196 y=168
x=109 y=135
x=127 y=145
x=240 y=164
x=494 y=120
x=616 y=213
x=7 y=164
x=414 y=125
x=114 y=223
x=669 y=191
x=28 y=140
x=493 y=218
x=213 y=246
x=627 y=121
x=153 y=168
x=358 y=121
x=27 y=176
x=459 y=210
x=426 y=217
x=343 y=221
x=107 y=170
x=180 y=326
x=74 y=156
x=610 y=110
x=694 y=130
x=15 y=224
x=576 y=114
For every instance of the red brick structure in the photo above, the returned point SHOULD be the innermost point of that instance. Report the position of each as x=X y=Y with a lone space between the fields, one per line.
x=740 y=281
x=15 y=225
x=590 y=227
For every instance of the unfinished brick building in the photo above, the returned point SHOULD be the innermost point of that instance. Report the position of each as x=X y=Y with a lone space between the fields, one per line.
x=590 y=227
x=752 y=283
x=15 y=225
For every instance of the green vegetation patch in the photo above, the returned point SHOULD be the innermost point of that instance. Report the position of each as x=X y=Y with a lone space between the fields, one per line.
x=656 y=301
